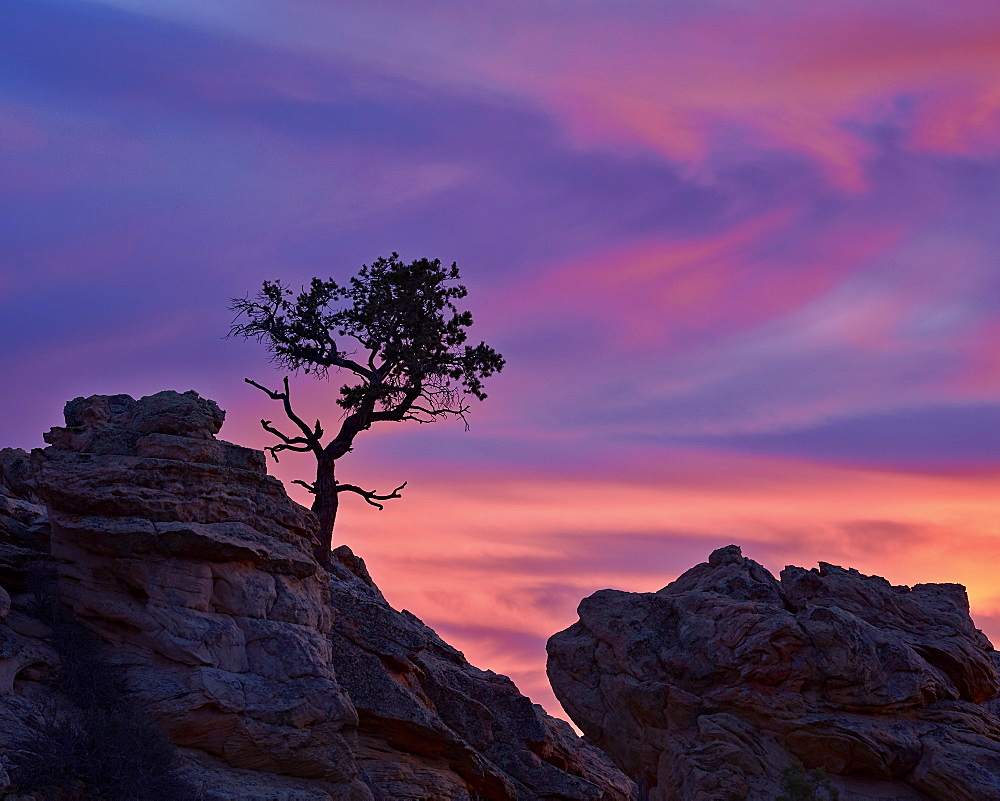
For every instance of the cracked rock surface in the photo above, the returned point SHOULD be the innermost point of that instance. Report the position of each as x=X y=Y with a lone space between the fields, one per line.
x=275 y=679
x=466 y=733
x=709 y=688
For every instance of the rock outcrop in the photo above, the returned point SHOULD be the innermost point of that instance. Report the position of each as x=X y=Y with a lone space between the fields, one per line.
x=273 y=677
x=711 y=687
x=433 y=726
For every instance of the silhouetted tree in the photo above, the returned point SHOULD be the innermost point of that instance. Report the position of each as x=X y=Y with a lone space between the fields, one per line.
x=406 y=358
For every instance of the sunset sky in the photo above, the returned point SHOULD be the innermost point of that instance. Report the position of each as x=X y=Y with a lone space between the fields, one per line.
x=742 y=257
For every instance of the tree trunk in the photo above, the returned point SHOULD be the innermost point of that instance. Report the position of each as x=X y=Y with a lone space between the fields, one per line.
x=325 y=506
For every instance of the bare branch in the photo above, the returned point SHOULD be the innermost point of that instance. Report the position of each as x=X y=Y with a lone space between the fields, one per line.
x=273 y=449
x=290 y=443
x=310 y=487
x=415 y=411
x=311 y=436
x=429 y=412
x=273 y=395
x=371 y=496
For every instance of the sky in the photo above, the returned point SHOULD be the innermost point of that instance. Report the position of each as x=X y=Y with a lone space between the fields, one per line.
x=740 y=256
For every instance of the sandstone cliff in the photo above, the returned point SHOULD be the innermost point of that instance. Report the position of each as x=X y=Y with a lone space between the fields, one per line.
x=710 y=687
x=272 y=677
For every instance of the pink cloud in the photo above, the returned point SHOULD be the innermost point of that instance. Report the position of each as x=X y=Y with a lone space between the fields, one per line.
x=793 y=82
x=681 y=81
x=980 y=378
x=663 y=294
x=492 y=556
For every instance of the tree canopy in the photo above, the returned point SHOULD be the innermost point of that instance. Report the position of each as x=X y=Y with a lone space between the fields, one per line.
x=394 y=331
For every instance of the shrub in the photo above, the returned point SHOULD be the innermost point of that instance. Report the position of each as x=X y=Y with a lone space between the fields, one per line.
x=798 y=785
x=99 y=745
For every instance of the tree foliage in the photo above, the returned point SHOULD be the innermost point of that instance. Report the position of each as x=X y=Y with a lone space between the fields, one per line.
x=414 y=364
x=394 y=331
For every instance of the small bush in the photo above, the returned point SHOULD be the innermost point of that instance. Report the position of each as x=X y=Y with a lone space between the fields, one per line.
x=100 y=754
x=798 y=785
x=100 y=745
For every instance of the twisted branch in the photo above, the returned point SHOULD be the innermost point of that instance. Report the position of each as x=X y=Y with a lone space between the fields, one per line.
x=371 y=496
x=310 y=441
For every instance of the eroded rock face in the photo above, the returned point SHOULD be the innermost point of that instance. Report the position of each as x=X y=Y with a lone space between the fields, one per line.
x=435 y=727
x=193 y=565
x=710 y=687
x=27 y=659
x=197 y=573
x=24 y=532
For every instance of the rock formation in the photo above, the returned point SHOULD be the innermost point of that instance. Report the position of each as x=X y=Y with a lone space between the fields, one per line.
x=273 y=678
x=433 y=726
x=711 y=687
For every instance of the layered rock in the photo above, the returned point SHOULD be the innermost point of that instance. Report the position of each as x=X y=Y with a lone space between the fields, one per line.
x=24 y=532
x=197 y=574
x=27 y=658
x=432 y=726
x=711 y=687
x=192 y=564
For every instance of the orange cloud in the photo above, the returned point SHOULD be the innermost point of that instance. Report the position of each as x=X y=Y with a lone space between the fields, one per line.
x=498 y=560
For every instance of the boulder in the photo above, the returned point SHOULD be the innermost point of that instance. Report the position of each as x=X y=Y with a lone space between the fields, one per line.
x=711 y=687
